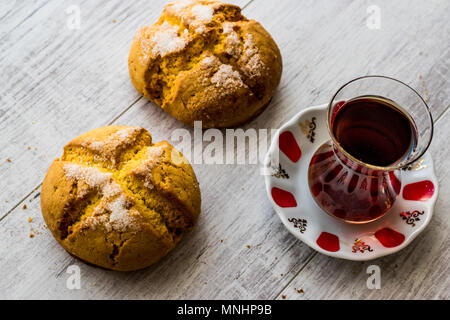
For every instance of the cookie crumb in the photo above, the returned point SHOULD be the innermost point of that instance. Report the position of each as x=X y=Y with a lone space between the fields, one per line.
x=114 y=20
x=24 y=207
x=299 y=290
x=281 y=274
x=9 y=160
x=29 y=148
x=221 y=241
x=31 y=235
x=424 y=88
x=30 y=219
x=248 y=246
x=283 y=296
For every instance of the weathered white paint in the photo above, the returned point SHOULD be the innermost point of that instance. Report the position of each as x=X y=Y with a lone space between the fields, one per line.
x=58 y=83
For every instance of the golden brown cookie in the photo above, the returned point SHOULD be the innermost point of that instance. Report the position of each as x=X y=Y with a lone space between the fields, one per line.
x=203 y=60
x=119 y=201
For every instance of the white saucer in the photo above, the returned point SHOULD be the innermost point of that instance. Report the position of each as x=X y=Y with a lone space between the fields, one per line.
x=288 y=191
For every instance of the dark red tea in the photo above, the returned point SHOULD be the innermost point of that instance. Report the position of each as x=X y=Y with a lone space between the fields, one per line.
x=374 y=130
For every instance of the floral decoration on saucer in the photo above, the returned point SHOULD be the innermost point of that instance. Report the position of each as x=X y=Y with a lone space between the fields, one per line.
x=286 y=180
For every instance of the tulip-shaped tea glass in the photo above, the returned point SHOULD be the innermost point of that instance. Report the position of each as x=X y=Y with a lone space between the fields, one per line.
x=377 y=125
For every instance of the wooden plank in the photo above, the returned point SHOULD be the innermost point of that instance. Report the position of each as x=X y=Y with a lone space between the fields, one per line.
x=327 y=43
x=14 y=13
x=417 y=272
x=51 y=74
x=235 y=209
x=202 y=266
x=58 y=82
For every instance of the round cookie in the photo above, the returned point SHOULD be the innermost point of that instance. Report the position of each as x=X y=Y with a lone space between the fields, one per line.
x=204 y=61
x=119 y=201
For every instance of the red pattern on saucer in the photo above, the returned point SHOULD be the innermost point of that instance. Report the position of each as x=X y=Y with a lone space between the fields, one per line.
x=283 y=198
x=328 y=241
x=289 y=146
x=389 y=238
x=419 y=191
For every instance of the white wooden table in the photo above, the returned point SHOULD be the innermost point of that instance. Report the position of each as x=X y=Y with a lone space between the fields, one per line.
x=57 y=82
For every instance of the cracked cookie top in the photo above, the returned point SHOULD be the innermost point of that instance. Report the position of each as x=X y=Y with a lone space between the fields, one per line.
x=117 y=200
x=205 y=61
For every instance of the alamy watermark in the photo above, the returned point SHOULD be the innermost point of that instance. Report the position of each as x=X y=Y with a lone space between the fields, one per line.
x=373 y=21
x=73 y=282
x=374 y=280
x=74 y=17
x=228 y=146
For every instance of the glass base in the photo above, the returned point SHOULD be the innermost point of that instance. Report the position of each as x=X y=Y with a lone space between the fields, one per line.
x=349 y=191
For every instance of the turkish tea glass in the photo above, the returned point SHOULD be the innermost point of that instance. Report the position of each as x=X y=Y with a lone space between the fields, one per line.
x=350 y=189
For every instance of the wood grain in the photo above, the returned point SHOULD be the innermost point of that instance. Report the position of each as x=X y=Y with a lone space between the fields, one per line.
x=60 y=82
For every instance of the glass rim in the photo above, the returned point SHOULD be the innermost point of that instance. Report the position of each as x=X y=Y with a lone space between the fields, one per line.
x=371 y=166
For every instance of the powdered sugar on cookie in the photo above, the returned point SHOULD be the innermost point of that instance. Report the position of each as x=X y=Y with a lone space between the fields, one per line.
x=227 y=27
x=192 y=14
x=227 y=78
x=253 y=64
x=121 y=218
x=202 y=12
x=201 y=29
x=233 y=45
x=166 y=40
x=152 y=159
x=93 y=177
x=209 y=61
x=113 y=214
x=113 y=201
x=107 y=149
